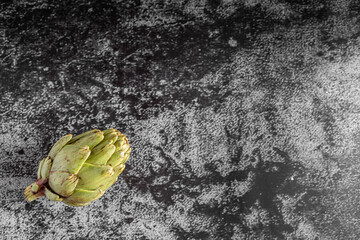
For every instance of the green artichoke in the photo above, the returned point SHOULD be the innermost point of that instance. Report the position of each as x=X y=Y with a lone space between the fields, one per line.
x=79 y=170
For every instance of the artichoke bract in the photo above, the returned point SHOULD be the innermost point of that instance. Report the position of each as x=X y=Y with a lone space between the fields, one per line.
x=78 y=170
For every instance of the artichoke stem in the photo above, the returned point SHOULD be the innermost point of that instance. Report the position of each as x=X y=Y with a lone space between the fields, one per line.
x=35 y=190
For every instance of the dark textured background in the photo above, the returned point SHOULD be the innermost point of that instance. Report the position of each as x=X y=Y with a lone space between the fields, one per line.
x=243 y=116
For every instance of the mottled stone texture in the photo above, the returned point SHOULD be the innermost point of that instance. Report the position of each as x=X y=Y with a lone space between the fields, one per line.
x=243 y=116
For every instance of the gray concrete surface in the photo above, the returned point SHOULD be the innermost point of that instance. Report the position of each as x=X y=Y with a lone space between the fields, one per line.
x=243 y=116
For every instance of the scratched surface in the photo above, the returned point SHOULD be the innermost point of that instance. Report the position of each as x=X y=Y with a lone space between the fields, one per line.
x=243 y=116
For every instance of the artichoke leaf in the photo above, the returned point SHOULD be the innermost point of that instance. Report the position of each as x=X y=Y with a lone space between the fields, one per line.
x=84 y=196
x=83 y=135
x=111 y=136
x=91 y=140
x=109 y=130
x=101 y=145
x=122 y=143
x=39 y=168
x=92 y=176
x=45 y=168
x=109 y=182
x=59 y=145
x=119 y=157
x=70 y=158
x=52 y=196
x=101 y=154
x=63 y=183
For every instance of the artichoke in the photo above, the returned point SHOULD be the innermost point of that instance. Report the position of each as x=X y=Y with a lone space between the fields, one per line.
x=79 y=170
